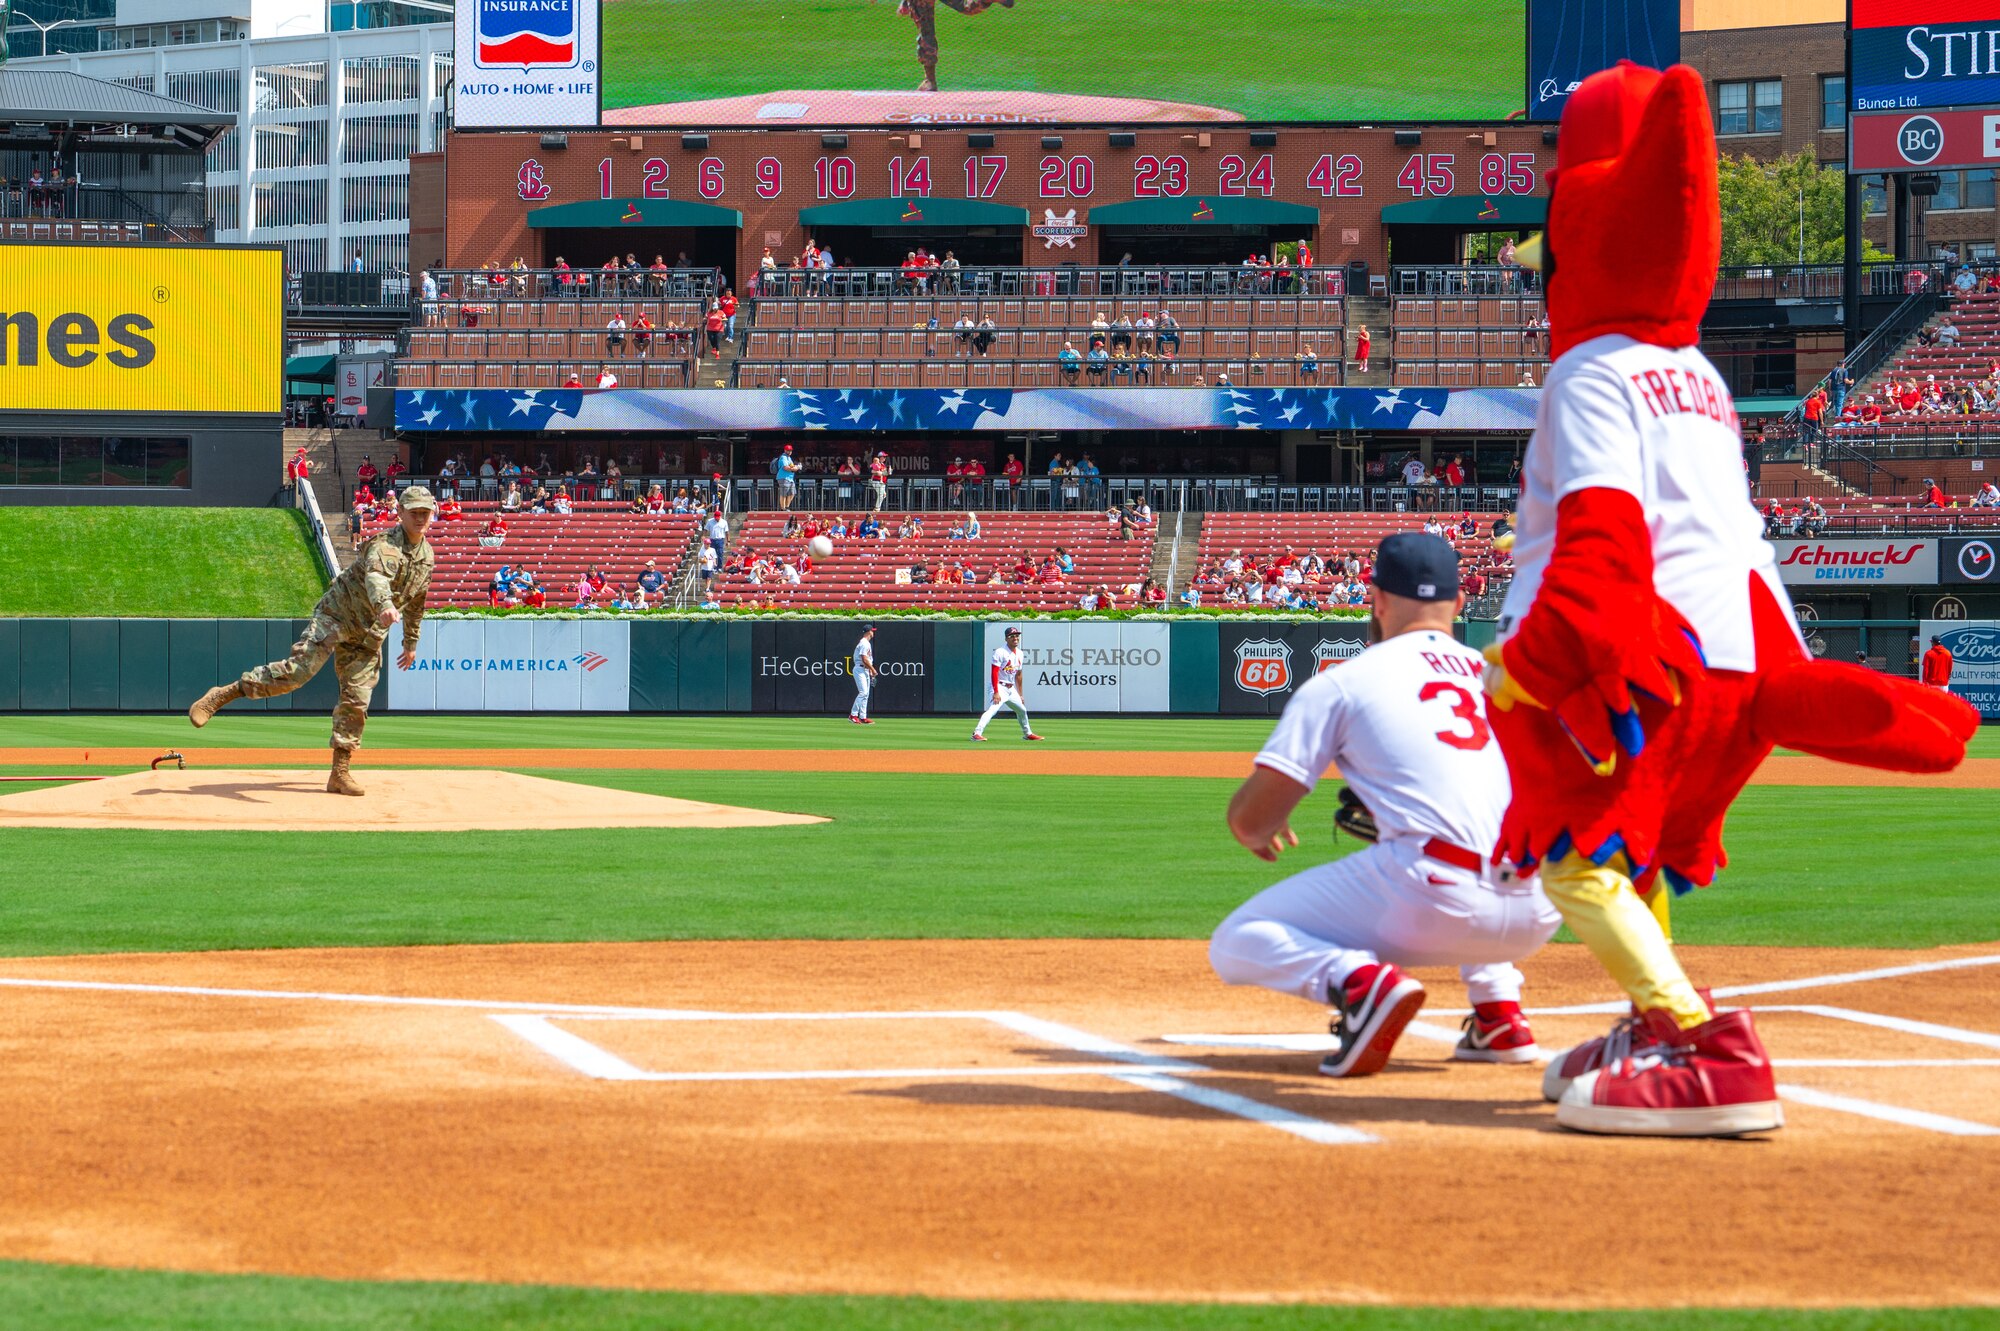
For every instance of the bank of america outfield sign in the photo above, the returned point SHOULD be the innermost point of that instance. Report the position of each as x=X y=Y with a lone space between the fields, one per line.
x=1864 y=563
x=525 y=64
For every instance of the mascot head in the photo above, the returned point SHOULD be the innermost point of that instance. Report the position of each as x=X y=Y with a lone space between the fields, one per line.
x=1635 y=227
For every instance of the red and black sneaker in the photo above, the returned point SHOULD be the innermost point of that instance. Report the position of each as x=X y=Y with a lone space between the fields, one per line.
x=1627 y=1037
x=1713 y=1080
x=1497 y=1033
x=1369 y=1013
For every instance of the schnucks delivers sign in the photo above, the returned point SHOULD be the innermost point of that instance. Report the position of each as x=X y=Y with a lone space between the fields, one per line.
x=1913 y=562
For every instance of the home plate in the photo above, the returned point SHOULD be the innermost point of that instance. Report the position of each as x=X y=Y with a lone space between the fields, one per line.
x=398 y=800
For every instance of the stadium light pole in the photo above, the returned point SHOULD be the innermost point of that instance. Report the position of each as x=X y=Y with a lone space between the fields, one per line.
x=46 y=28
x=1850 y=305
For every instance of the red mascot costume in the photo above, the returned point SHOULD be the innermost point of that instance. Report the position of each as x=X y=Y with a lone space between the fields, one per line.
x=1647 y=659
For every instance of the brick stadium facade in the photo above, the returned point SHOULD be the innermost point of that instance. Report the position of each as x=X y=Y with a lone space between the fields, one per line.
x=495 y=181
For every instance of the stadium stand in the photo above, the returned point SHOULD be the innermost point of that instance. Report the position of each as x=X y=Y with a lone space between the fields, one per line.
x=559 y=549
x=830 y=340
x=1469 y=342
x=878 y=573
x=1261 y=542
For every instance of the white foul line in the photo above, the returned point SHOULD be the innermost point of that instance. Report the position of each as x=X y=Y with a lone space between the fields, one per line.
x=1910 y=1118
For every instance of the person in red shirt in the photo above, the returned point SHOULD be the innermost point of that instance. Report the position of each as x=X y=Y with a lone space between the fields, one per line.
x=715 y=323
x=1937 y=665
x=1871 y=412
x=1013 y=470
x=1934 y=494
x=450 y=510
x=535 y=596
x=1361 y=349
x=642 y=334
x=728 y=306
x=364 y=497
x=366 y=473
x=496 y=526
x=572 y=381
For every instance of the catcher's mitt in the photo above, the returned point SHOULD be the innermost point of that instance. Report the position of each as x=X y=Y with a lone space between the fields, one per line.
x=1353 y=817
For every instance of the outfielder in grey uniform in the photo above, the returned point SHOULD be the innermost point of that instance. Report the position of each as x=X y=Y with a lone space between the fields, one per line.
x=386 y=582
x=864 y=677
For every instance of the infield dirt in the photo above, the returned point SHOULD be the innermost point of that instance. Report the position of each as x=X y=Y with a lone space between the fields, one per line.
x=290 y=1129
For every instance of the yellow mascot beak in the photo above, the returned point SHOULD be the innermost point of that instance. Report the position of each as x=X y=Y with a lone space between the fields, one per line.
x=1529 y=253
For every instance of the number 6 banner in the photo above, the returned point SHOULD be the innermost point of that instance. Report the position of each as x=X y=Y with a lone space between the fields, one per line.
x=1261 y=666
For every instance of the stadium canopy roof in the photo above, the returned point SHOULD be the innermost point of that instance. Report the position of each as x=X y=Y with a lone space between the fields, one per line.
x=1204 y=211
x=612 y=214
x=1470 y=210
x=913 y=212
x=45 y=105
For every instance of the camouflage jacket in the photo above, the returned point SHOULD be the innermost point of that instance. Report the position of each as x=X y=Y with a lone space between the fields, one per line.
x=387 y=571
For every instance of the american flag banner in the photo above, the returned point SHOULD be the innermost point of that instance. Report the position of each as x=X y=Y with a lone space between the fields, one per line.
x=896 y=409
x=485 y=408
x=1331 y=408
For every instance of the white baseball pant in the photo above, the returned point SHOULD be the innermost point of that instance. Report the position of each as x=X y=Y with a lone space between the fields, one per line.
x=1389 y=902
x=864 y=684
x=1010 y=698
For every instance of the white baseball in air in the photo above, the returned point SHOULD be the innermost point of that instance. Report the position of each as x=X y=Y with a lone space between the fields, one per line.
x=820 y=546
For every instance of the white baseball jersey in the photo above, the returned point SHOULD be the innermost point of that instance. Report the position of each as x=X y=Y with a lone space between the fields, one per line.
x=1405 y=722
x=1007 y=661
x=1659 y=425
x=864 y=654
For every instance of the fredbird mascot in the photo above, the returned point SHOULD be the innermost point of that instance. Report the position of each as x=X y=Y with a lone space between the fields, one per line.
x=1647 y=659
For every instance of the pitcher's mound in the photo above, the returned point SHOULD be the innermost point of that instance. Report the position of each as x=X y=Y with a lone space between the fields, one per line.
x=942 y=109
x=240 y=800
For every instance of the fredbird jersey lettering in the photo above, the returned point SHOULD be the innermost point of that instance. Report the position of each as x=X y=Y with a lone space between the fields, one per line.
x=1657 y=423
x=1405 y=722
x=1007 y=667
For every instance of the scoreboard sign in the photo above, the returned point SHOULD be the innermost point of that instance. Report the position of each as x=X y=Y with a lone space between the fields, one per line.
x=1917 y=54
x=1925 y=140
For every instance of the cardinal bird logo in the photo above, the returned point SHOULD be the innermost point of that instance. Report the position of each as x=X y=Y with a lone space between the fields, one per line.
x=911 y=211
x=632 y=214
x=1488 y=210
x=1202 y=212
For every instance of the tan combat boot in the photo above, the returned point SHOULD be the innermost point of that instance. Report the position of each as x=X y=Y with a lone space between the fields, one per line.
x=341 y=780
x=217 y=698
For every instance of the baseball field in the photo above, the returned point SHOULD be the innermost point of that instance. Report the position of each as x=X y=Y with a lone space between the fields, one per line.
x=1251 y=59
x=949 y=1054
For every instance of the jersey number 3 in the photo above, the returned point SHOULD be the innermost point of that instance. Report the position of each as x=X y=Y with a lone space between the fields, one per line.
x=1466 y=708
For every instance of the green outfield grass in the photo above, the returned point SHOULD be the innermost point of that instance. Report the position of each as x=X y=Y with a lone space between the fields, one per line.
x=156 y=563
x=1266 y=60
x=72 y=1298
x=920 y=857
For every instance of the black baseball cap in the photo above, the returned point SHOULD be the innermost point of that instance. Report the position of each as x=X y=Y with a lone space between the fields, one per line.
x=1417 y=565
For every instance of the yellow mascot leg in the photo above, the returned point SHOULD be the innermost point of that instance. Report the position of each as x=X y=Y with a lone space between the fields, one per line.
x=1659 y=900
x=1626 y=934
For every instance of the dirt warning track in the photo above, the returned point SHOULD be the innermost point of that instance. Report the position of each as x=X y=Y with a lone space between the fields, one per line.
x=1088 y=1119
x=999 y=759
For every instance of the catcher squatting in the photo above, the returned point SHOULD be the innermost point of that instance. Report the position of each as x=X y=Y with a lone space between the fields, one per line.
x=387 y=582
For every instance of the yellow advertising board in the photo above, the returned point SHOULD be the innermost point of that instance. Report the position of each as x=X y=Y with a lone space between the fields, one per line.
x=179 y=328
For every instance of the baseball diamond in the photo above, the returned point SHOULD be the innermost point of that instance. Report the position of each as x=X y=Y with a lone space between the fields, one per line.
x=1490 y=822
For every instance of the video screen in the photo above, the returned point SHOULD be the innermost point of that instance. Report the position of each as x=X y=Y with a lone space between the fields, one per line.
x=1000 y=63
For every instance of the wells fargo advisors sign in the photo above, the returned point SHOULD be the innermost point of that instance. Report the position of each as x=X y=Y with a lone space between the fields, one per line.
x=132 y=328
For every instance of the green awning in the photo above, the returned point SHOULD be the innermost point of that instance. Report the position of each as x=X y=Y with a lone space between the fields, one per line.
x=1766 y=406
x=612 y=214
x=1206 y=211
x=318 y=368
x=1470 y=210
x=913 y=212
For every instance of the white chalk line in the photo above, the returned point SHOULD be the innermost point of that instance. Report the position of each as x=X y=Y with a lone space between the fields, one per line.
x=1317 y=1044
x=1151 y=1072
x=1909 y=1118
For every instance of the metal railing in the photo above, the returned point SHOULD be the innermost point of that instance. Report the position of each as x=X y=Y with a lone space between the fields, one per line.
x=916 y=371
x=1864 y=360
x=510 y=284
x=1137 y=280
x=1802 y=282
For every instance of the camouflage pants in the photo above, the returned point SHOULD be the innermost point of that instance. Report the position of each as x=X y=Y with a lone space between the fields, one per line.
x=924 y=14
x=357 y=662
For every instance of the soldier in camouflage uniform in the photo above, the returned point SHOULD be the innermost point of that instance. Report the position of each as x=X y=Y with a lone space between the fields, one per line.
x=923 y=13
x=386 y=582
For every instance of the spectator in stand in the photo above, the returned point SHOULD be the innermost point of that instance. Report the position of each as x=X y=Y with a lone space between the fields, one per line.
x=714 y=324
x=870 y=529
x=1988 y=496
x=962 y=330
x=879 y=472
x=561 y=504
x=572 y=381
x=849 y=469
x=366 y=473
x=1191 y=596
x=1814 y=412
x=1069 y=363
x=1308 y=365
x=1012 y=470
x=496 y=528
x=1121 y=334
x=716 y=532
x=1947 y=333
x=1812 y=520
x=1169 y=335
x=1842 y=383
x=967 y=530
x=642 y=334
x=614 y=334
x=785 y=470
x=982 y=340
x=450 y=510
x=606 y=379
x=1454 y=470
x=954 y=482
x=1933 y=494
x=728 y=306
x=707 y=566
x=1361 y=349
x=1117 y=528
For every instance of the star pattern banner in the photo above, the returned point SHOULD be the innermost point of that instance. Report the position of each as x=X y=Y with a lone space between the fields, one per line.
x=963 y=410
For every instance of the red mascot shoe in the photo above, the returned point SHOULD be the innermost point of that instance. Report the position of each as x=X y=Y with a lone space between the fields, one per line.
x=1627 y=1037
x=1712 y=1081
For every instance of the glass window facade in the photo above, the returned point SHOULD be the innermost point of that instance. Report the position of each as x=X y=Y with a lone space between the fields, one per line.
x=1770 y=107
x=86 y=460
x=1732 y=108
x=1833 y=101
